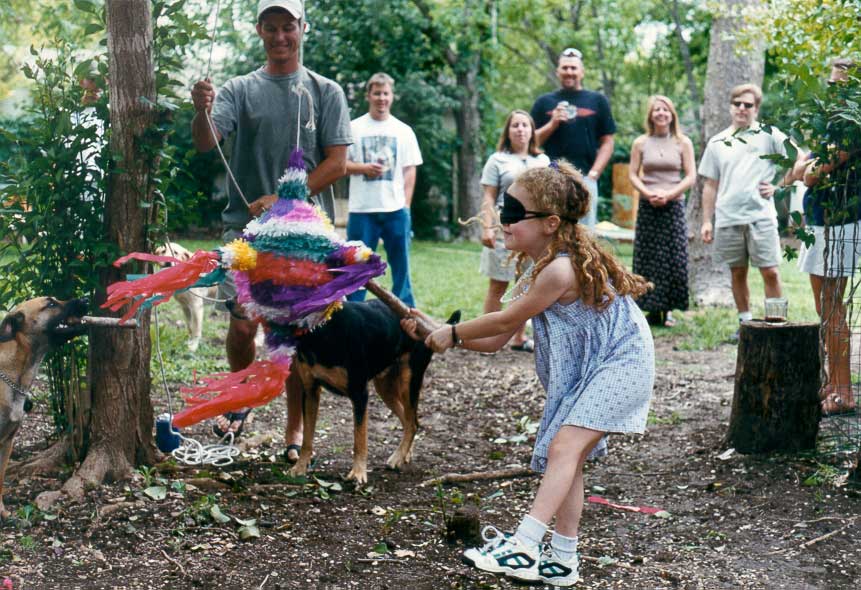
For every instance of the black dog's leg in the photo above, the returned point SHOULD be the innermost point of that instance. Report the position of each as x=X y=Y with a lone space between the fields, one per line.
x=310 y=407
x=359 y=397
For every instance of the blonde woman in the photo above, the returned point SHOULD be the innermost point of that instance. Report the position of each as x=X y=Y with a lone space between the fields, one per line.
x=662 y=169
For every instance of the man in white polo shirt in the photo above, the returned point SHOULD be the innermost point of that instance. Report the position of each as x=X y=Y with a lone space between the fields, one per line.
x=738 y=191
x=382 y=166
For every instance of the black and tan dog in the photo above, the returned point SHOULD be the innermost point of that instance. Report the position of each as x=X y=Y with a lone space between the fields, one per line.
x=362 y=342
x=27 y=333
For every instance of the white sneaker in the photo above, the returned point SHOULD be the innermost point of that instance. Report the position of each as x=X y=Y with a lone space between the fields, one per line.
x=504 y=554
x=557 y=572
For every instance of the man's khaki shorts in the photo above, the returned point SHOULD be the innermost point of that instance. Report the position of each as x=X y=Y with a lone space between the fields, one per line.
x=758 y=241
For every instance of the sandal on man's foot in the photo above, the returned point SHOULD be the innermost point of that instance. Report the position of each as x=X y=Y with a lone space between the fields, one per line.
x=286 y=454
x=525 y=346
x=232 y=418
x=298 y=450
x=834 y=405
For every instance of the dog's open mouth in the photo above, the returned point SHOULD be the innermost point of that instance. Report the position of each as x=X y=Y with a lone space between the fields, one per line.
x=70 y=322
x=70 y=325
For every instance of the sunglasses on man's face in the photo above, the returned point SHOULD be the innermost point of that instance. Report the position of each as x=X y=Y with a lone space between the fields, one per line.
x=739 y=103
x=571 y=52
x=513 y=211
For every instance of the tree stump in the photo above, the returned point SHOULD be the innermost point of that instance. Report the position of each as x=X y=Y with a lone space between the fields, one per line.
x=776 y=402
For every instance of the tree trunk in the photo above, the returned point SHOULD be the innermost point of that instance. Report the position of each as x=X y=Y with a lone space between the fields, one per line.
x=689 y=67
x=607 y=83
x=466 y=64
x=710 y=284
x=468 y=121
x=122 y=416
x=776 y=402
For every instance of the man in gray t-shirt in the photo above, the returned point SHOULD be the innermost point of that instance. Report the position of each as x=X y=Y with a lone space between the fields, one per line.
x=738 y=191
x=270 y=112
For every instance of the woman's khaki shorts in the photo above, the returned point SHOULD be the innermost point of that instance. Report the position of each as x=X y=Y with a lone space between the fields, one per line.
x=758 y=241
x=495 y=263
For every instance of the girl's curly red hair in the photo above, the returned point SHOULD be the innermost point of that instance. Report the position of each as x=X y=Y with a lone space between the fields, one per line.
x=560 y=190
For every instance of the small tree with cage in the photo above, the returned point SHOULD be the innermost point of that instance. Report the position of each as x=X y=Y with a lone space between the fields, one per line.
x=829 y=121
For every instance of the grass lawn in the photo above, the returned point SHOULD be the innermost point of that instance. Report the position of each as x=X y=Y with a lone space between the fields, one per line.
x=445 y=277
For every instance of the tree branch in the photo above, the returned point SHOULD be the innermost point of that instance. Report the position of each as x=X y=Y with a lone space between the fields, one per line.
x=575 y=13
x=480 y=476
x=689 y=67
x=550 y=77
x=606 y=83
x=433 y=33
x=544 y=45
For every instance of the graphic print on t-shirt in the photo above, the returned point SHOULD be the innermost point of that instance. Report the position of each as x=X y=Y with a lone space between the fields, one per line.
x=383 y=150
x=580 y=112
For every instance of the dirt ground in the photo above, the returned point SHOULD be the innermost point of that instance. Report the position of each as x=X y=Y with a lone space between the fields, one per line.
x=729 y=522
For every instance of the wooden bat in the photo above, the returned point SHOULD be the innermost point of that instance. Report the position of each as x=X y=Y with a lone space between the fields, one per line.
x=423 y=328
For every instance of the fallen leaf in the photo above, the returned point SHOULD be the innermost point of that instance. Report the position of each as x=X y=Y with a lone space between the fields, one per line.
x=217 y=515
x=405 y=553
x=156 y=492
x=726 y=454
x=249 y=532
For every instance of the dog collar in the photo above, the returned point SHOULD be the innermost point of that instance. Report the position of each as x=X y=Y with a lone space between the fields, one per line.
x=14 y=386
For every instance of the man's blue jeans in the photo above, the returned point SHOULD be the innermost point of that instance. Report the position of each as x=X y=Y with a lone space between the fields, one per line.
x=394 y=228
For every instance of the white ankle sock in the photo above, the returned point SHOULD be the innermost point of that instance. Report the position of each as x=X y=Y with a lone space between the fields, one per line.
x=531 y=531
x=745 y=316
x=564 y=547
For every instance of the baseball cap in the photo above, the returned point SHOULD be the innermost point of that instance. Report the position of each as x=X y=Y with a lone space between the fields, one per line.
x=294 y=7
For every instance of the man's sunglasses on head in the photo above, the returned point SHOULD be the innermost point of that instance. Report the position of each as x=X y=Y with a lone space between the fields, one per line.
x=571 y=52
x=739 y=103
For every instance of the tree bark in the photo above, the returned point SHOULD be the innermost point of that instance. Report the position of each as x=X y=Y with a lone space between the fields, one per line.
x=727 y=67
x=607 y=83
x=689 y=67
x=466 y=65
x=122 y=415
x=775 y=406
x=468 y=120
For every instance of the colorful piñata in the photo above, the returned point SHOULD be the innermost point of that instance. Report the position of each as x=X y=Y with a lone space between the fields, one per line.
x=291 y=271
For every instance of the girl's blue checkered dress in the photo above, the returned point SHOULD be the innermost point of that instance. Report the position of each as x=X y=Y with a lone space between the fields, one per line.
x=598 y=368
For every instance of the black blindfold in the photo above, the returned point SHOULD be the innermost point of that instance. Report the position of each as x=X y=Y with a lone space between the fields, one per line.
x=513 y=211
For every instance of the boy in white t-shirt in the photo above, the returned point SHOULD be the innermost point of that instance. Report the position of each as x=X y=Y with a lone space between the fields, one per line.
x=382 y=166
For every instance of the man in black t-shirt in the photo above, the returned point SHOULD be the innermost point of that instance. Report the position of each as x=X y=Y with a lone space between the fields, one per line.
x=576 y=124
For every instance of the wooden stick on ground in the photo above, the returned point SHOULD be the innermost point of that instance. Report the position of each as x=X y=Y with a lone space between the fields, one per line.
x=480 y=476
x=851 y=522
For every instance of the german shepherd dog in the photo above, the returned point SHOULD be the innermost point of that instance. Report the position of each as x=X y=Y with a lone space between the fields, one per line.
x=362 y=342
x=27 y=333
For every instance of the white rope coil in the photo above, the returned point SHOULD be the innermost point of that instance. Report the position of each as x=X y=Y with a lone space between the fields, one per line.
x=192 y=452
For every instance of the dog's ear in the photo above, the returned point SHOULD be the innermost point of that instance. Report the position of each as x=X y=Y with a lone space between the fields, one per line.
x=11 y=325
x=454 y=318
